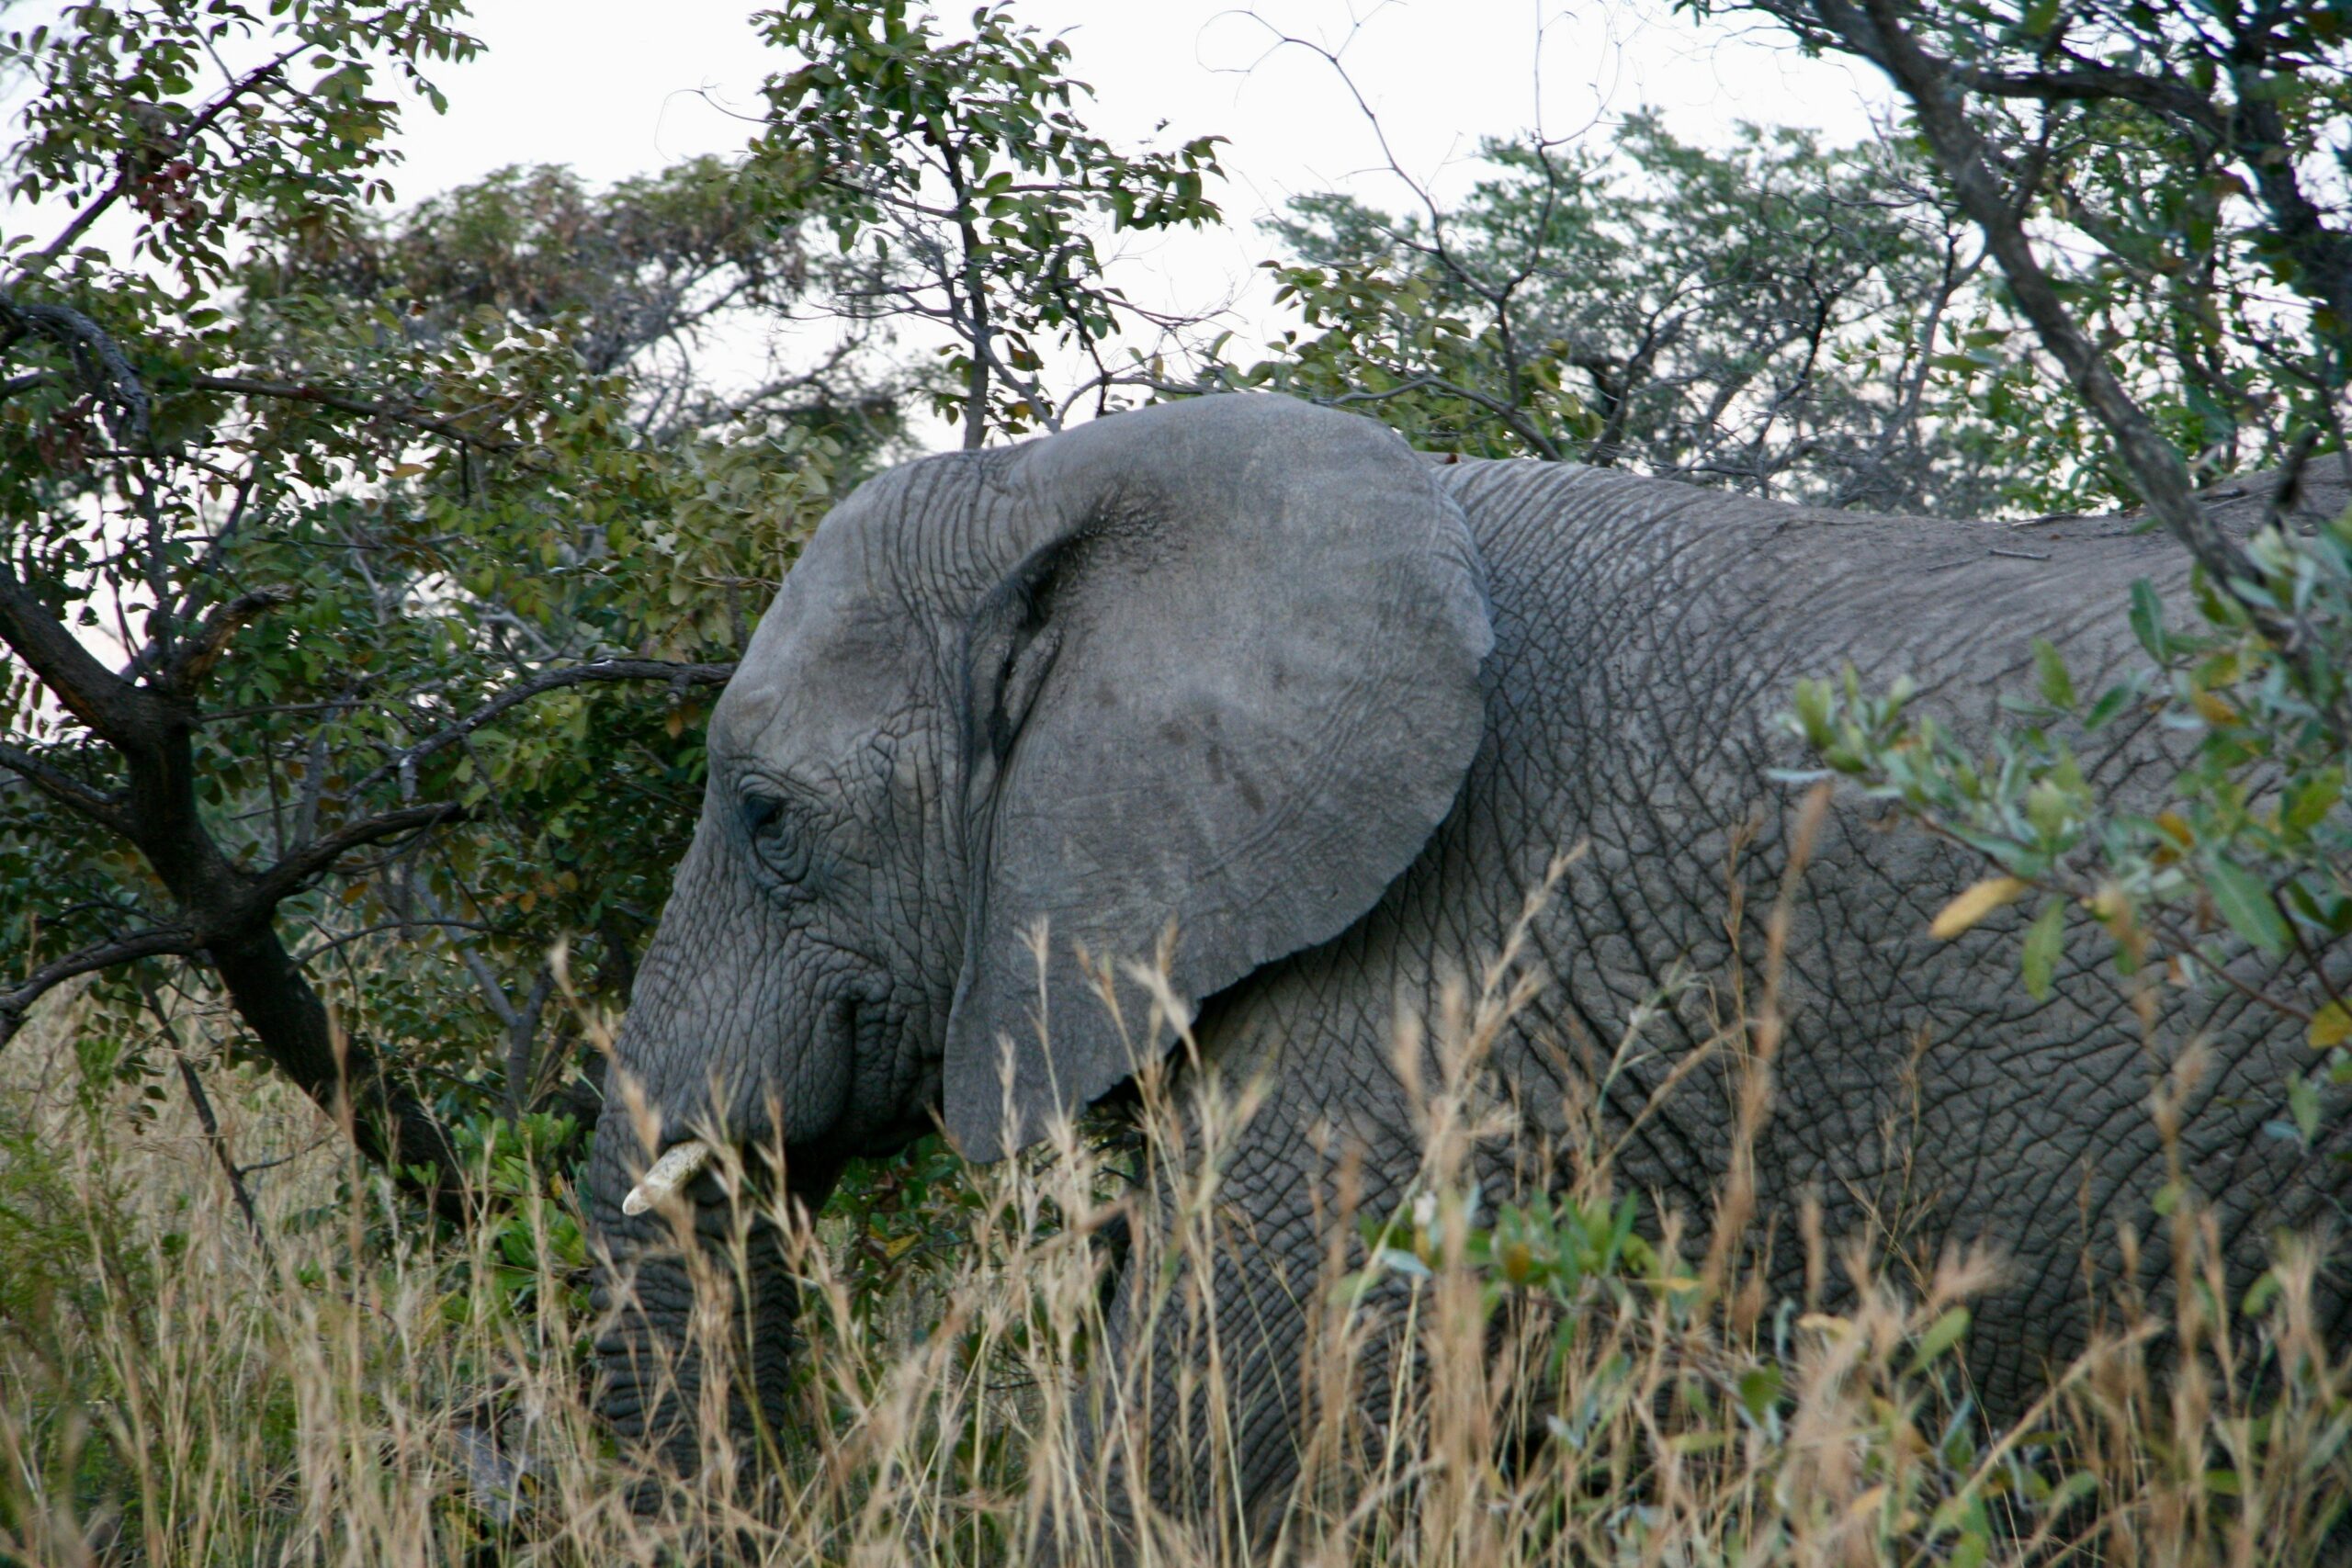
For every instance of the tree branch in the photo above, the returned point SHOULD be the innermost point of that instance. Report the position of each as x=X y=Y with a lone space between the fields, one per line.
x=1875 y=30
x=303 y=392
x=2155 y=464
x=2324 y=253
x=218 y=1139
x=98 y=360
x=202 y=1104
x=679 y=676
x=66 y=790
x=183 y=673
x=14 y=1004
x=1513 y=419
x=290 y=876
x=374 y=1105
x=2087 y=82
x=112 y=707
x=125 y=178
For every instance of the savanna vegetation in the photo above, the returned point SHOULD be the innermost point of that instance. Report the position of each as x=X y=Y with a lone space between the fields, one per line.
x=367 y=565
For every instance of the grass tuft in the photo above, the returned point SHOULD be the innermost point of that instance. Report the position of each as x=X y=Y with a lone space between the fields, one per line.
x=1545 y=1381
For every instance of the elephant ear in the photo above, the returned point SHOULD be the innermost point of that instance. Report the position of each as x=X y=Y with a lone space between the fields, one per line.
x=1231 y=687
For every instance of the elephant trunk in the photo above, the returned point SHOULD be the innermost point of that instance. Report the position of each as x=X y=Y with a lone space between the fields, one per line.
x=696 y=1304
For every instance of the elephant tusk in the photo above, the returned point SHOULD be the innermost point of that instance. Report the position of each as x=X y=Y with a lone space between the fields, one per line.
x=673 y=1170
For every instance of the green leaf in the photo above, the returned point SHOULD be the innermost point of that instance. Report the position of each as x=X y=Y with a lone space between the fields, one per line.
x=2147 y=618
x=1813 y=701
x=2110 y=702
x=2303 y=1106
x=2049 y=808
x=2309 y=801
x=2244 y=900
x=2049 y=667
x=2081 y=1484
x=2043 y=944
x=1759 y=1390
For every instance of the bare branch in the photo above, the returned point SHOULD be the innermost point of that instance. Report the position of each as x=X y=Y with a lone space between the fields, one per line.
x=327 y=944
x=65 y=789
x=290 y=876
x=679 y=676
x=14 y=1004
x=303 y=392
x=202 y=1105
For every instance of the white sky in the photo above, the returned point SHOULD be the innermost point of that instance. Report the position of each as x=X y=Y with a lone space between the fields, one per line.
x=590 y=83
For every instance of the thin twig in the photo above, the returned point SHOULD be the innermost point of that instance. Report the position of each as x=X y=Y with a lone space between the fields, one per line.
x=213 y=1136
x=219 y=1141
x=184 y=136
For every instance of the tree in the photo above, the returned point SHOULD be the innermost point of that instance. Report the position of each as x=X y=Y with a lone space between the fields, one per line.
x=1778 y=317
x=364 y=577
x=2062 y=110
x=2160 y=187
x=645 y=280
x=959 y=172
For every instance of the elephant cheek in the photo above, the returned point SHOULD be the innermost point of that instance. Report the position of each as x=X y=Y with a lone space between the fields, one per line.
x=726 y=1033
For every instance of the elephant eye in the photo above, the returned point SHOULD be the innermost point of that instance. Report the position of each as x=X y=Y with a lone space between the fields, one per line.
x=769 y=828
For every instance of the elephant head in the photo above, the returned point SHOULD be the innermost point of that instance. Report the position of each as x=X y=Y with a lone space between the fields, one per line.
x=1212 y=666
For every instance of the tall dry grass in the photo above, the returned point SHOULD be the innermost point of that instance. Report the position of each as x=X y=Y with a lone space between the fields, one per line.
x=1484 y=1383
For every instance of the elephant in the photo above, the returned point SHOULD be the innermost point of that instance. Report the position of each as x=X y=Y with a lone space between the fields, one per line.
x=1252 y=672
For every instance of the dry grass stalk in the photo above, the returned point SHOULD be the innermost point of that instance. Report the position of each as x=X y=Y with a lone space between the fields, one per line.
x=363 y=1393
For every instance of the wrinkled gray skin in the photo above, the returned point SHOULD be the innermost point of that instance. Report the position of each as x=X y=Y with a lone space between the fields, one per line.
x=1255 y=667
